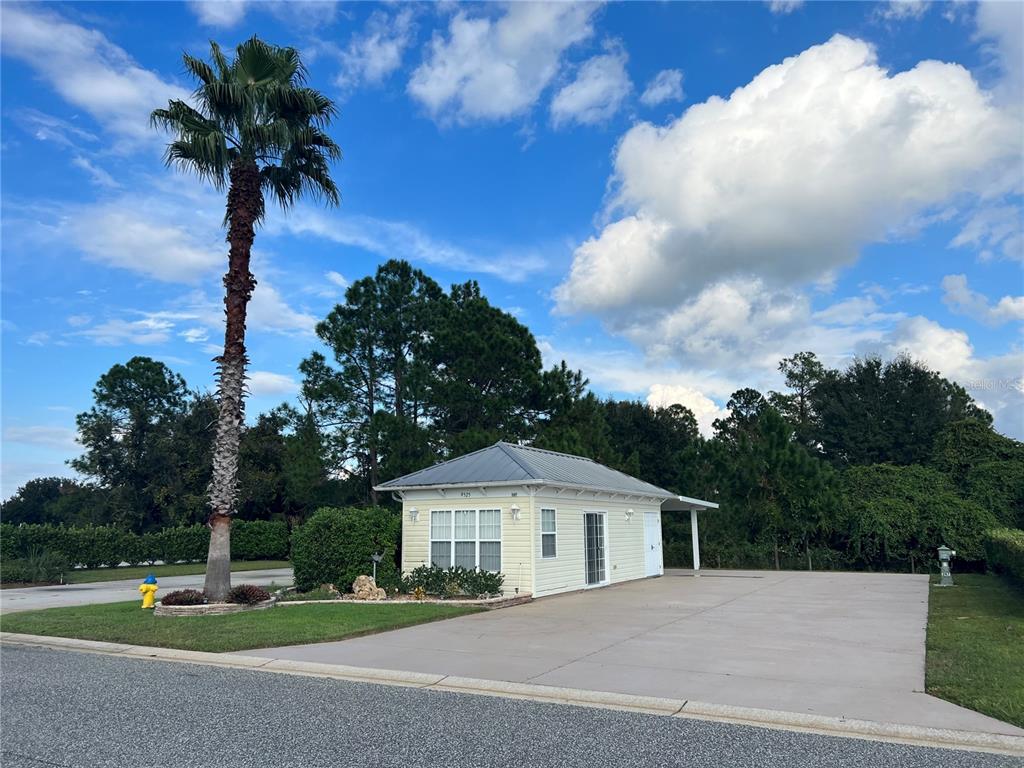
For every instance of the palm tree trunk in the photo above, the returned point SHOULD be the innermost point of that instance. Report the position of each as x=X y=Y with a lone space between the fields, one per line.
x=245 y=205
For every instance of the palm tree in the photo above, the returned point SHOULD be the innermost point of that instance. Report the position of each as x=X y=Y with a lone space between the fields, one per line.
x=255 y=129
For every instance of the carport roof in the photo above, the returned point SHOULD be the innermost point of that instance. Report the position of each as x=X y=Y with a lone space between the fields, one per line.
x=507 y=463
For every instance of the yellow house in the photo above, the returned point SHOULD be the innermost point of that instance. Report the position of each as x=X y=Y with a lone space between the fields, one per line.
x=550 y=522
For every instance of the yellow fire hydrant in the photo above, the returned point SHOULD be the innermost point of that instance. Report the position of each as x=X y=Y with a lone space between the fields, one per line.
x=148 y=589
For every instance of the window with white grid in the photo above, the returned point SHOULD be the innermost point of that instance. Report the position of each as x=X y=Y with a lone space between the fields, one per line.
x=441 y=538
x=490 y=540
x=468 y=538
x=548 y=533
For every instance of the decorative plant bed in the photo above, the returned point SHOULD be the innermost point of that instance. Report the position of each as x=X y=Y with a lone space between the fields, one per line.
x=211 y=609
x=502 y=601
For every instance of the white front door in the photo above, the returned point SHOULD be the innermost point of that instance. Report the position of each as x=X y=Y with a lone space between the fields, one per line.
x=653 y=564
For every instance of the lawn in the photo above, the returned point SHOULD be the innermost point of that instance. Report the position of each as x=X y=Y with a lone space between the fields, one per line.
x=88 y=575
x=976 y=646
x=296 y=625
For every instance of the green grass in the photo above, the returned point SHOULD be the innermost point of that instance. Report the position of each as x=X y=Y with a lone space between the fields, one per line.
x=976 y=646
x=297 y=625
x=89 y=575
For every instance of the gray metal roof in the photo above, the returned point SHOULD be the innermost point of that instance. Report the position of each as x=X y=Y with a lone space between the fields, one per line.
x=507 y=463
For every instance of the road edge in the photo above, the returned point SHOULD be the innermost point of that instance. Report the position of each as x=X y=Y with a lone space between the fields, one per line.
x=762 y=718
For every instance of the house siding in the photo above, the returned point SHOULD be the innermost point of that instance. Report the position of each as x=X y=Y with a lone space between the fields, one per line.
x=516 y=552
x=625 y=541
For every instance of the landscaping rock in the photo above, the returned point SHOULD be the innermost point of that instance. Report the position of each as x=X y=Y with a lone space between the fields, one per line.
x=365 y=588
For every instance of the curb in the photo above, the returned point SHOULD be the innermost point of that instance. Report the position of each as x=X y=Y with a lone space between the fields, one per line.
x=763 y=718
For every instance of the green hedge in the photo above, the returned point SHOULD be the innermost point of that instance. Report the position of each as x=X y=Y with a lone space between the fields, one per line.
x=1004 y=551
x=94 y=546
x=334 y=547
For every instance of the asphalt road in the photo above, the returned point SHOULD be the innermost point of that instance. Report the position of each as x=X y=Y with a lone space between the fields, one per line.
x=61 y=708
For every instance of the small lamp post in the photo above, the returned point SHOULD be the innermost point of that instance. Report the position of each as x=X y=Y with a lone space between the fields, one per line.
x=945 y=576
x=376 y=557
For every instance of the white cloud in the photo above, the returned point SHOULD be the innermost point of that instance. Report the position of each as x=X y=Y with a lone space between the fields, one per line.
x=268 y=311
x=44 y=127
x=337 y=278
x=703 y=407
x=784 y=6
x=38 y=339
x=195 y=335
x=996 y=230
x=600 y=87
x=51 y=437
x=788 y=177
x=77 y=321
x=377 y=52
x=118 y=332
x=898 y=10
x=87 y=70
x=219 y=13
x=1002 y=24
x=118 y=234
x=266 y=384
x=401 y=240
x=963 y=301
x=489 y=68
x=98 y=176
x=667 y=85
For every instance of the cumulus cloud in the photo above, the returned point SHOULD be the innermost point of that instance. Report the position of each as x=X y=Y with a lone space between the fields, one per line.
x=961 y=300
x=337 y=278
x=268 y=384
x=377 y=51
x=488 y=68
x=600 y=87
x=118 y=332
x=87 y=70
x=219 y=13
x=787 y=177
x=703 y=407
x=667 y=85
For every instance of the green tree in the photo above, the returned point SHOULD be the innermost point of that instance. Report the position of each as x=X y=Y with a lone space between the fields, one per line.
x=887 y=412
x=136 y=404
x=486 y=382
x=35 y=501
x=256 y=130
x=803 y=372
x=378 y=339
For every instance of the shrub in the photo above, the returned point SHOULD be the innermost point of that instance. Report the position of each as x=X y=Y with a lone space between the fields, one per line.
x=14 y=572
x=334 y=547
x=248 y=594
x=184 y=597
x=40 y=567
x=452 y=582
x=1004 y=552
x=259 y=540
x=183 y=543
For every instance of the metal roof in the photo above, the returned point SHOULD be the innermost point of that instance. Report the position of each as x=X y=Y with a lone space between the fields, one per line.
x=507 y=463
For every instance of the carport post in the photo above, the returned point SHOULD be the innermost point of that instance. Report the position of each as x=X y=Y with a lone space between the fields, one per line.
x=696 y=541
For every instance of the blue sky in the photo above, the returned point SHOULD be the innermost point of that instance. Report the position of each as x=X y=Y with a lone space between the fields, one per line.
x=672 y=196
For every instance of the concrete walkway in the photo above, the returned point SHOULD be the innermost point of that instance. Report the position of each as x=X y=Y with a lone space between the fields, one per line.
x=847 y=645
x=30 y=598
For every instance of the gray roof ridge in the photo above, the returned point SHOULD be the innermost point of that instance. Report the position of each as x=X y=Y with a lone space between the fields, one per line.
x=552 y=453
x=523 y=465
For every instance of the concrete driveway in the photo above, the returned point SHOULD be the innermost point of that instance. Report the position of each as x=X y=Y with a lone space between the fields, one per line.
x=30 y=598
x=836 y=644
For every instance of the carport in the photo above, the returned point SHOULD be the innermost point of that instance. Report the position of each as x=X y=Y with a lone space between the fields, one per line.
x=682 y=504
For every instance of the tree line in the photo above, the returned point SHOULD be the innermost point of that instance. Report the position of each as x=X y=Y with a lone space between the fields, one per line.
x=870 y=466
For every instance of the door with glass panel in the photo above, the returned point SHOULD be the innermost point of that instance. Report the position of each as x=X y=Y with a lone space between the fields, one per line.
x=593 y=538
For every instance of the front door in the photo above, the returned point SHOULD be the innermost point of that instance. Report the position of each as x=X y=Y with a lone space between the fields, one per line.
x=593 y=527
x=653 y=565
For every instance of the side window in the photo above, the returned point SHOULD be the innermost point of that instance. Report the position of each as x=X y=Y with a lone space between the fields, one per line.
x=548 y=533
x=441 y=538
